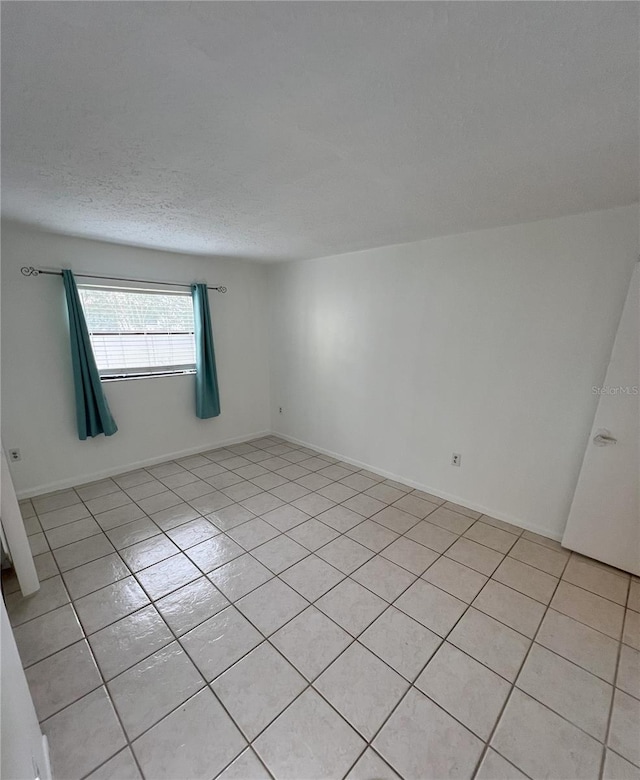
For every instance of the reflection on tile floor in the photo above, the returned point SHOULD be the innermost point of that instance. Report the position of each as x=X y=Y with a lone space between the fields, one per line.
x=263 y=611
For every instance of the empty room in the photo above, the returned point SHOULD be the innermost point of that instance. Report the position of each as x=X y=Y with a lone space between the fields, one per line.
x=320 y=390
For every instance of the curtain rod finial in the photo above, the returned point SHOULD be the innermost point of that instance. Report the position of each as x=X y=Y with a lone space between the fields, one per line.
x=29 y=270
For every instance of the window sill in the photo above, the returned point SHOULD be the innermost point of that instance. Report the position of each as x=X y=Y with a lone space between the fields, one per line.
x=129 y=377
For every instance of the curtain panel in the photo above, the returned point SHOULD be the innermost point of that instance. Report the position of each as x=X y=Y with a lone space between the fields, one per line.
x=92 y=410
x=207 y=395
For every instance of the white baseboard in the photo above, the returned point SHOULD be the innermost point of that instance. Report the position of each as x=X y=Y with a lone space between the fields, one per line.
x=507 y=518
x=62 y=484
x=93 y=477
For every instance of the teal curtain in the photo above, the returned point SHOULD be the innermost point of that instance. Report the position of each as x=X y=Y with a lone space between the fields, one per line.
x=92 y=411
x=207 y=396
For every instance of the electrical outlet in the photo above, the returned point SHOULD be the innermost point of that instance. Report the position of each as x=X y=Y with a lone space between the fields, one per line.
x=280 y=410
x=14 y=455
x=456 y=459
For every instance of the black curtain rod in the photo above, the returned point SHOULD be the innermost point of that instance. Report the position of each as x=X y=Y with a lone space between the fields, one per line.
x=31 y=271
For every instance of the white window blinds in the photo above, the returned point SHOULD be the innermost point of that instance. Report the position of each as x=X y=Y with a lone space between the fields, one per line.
x=139 y=332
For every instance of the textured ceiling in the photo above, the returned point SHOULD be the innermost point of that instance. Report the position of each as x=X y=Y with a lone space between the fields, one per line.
x=285 y=130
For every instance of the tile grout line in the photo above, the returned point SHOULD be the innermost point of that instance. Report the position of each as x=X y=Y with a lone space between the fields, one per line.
x=220 y=531
x=313 y=552
x=343 y=533
x=614 y=686
x=340 y=533
x=209 y=684
x=277 y=575
x=365 y=628
x=129 y=743
x=183 y=500
x=310 y=603
x=175 y=638
x=513 y=684
x=412 y=685
x=101 y=677
x=341 y=581
x=474 y=520
x=265 y=639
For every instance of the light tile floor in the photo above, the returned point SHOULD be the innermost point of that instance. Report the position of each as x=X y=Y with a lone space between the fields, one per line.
x=264 y=611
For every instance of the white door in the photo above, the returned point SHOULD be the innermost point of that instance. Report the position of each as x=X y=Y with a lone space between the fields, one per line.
x=604 y=520
x=13 y=532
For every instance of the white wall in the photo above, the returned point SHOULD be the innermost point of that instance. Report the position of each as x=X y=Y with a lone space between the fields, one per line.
x=156 y=416
x=24 y=753
x=486 y=343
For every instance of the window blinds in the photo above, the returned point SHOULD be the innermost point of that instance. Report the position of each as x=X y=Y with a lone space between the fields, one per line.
x=139 y=332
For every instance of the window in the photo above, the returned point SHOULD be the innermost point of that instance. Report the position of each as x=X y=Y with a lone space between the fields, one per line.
x=137 y=333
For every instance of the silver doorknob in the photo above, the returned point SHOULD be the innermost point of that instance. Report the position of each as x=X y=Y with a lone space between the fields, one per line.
x=603 y=438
